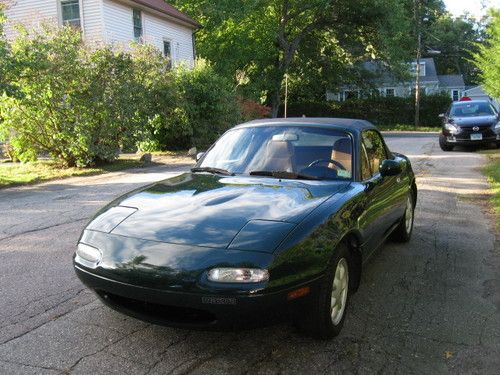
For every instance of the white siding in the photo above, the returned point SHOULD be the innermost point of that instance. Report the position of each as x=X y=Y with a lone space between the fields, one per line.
x=109 y=21
x=118 y=27
x=156 y=30
x=92 y=20
x=30 y=13
x=119 y=30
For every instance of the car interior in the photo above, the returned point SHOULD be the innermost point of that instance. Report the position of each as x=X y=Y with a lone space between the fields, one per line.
x=318 y=161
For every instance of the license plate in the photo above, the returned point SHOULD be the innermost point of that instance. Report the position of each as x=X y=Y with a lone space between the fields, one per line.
x=476 y=137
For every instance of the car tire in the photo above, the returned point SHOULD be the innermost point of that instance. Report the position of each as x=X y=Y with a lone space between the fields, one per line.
x=324 y=317
x=403 y=231
x=445 y=146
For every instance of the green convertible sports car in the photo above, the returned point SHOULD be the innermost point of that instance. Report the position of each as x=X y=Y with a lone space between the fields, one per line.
x=274 y=221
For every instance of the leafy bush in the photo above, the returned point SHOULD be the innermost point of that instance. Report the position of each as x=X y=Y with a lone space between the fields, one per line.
x=189 y=107
x=71 y=102
x=82 y=105
x=378 y=110
x=209 y=103
x=251 y=110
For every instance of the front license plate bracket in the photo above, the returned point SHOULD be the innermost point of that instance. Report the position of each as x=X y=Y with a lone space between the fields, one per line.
x=476 y=137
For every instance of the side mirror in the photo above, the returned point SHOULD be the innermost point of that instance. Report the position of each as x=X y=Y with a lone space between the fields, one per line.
x=199 y=155
x=390 y=168
x=441 y=116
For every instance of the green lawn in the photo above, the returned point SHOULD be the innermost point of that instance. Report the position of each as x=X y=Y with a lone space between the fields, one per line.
x=15 y=174
x=492 y=171
x=407 y=127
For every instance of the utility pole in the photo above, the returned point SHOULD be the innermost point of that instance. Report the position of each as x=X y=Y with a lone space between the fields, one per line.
x=419 y=55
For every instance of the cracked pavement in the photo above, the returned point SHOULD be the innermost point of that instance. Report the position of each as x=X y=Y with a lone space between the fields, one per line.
x=430 y=306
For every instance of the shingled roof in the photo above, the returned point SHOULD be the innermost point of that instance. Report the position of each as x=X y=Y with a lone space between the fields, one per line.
x=165 y=8
x=451 y=80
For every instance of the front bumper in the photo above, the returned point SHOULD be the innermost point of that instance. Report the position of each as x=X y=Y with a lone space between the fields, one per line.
x=465 y=140
x=196 y=310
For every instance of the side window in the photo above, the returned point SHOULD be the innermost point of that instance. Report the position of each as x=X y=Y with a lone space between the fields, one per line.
x=375 y=150
x=137 y=21
x=167 y=52
x=70 y=13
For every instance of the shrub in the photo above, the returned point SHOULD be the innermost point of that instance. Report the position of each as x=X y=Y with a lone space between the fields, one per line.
x=209 y=103
x=72 y=102
x=82 y=105
x=251 y=110
x=379 y=110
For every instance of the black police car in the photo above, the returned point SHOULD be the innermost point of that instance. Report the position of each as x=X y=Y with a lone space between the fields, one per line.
x=470 y=123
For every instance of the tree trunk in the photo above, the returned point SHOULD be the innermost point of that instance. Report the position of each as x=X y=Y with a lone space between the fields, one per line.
x=275 y=102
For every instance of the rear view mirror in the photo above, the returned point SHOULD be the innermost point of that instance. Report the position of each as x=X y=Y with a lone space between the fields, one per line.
x=285 y=137
x=390 y=168
x=199 y=155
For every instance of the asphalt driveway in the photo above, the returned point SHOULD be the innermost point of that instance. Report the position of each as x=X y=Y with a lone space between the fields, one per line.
x=431 y=306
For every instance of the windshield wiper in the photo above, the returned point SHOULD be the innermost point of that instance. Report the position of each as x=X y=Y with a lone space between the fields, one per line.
x=284 y=175
x=212 y=170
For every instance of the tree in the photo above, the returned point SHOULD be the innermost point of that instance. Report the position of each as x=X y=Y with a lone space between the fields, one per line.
x=313 y=41
x=4 y=55
x=456 y=39
x=488 y=57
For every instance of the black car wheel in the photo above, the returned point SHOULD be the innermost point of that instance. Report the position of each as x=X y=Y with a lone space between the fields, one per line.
x=445 y=146
x=405 y=228
x=324 y=317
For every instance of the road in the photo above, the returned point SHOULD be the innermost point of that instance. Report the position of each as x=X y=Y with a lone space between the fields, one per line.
x=430 y=306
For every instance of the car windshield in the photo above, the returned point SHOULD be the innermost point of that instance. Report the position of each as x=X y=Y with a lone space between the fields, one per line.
x=283 y=152
x=472 y=110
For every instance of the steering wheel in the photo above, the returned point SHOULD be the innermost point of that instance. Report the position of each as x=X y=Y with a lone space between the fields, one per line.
x=334 y=162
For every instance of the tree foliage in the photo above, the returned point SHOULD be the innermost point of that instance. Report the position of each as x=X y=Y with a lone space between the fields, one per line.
x=488 y=57
x=456 y=39
x=315 y=41
x=4 y=54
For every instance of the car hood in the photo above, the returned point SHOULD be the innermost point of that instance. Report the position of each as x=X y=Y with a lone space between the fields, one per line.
x=211 y=211
x=475 y=121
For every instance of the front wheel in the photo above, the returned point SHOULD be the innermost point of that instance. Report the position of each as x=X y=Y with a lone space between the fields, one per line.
x=445 y=146
x=405 y=228
x=324 y=317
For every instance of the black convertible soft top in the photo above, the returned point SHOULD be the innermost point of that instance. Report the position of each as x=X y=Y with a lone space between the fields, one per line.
x=324 y=122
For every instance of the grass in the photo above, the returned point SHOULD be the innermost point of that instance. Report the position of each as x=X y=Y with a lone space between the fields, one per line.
x=16 y=174
x=492 y=172
x=407 y=127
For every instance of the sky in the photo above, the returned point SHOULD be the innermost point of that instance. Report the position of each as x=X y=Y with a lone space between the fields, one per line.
x=476 y=8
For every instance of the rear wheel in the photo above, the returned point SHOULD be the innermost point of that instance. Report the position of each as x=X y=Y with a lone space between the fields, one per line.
x=445 y=146
x=324 y=317
x=405 y=228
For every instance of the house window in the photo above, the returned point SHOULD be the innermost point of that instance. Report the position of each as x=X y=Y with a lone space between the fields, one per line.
x=70 y=13
x=389 y=93
x=167 y=52
x=137 y=17
x=414 y=69
x=455 y=95
x=354 y=94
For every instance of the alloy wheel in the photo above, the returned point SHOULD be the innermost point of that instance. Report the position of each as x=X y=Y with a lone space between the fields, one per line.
x=340 y=289
x=409 y=215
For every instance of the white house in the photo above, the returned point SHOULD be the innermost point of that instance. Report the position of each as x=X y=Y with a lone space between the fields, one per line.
x=386 y=84
x=116 y=22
